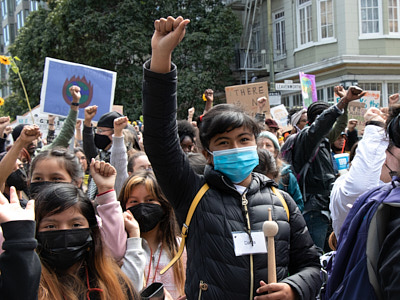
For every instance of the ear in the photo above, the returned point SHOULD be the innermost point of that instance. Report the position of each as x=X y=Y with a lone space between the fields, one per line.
x=78 y=182
x=208 y=157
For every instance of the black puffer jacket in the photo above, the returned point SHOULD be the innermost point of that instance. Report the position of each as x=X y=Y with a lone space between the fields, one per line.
x=320 y=175
x=210 y=250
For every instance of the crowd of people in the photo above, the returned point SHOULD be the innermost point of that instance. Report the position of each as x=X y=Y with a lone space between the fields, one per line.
x=96 y=212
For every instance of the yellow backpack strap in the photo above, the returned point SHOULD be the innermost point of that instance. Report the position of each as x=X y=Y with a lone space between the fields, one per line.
x=277 y=193
x=185 y=226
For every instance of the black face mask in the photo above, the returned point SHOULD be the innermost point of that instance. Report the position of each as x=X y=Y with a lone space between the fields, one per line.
x=148 y=215
x=36 y=187
x=101 y=141
x=17 y=179
x=61 y=249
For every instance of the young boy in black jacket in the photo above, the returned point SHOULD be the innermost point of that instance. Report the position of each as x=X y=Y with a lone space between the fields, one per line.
x=237 y=202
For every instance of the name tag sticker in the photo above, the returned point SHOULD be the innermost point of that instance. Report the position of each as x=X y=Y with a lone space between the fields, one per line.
x=243 y=245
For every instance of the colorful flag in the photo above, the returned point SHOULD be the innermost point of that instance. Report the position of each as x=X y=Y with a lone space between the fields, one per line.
x=308 y=89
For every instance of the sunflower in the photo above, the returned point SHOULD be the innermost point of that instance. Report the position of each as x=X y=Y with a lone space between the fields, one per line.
x=5 y=60
x=1 y=101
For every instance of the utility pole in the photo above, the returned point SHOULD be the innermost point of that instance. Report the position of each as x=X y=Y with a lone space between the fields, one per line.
x=270 y=48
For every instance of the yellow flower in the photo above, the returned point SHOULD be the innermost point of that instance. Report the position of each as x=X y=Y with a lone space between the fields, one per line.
x=1 y=101
x=4 y=60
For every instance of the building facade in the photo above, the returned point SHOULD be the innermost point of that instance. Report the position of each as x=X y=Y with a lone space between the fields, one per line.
x=338 y=41
x=13 y=16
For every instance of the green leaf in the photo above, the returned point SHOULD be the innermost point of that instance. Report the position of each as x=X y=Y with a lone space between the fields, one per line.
x=17 y=58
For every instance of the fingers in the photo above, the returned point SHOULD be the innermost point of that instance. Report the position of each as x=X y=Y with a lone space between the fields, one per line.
x=102 y=168
x=30 y=209
x=121 y=121
x=13 y=195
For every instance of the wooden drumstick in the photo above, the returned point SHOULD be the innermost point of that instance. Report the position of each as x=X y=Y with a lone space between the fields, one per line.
x=270 y=229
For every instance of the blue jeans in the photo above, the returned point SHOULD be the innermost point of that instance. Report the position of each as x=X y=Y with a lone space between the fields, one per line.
x=317 y=225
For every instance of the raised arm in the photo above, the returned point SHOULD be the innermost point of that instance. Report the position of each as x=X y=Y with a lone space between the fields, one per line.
x=68 y=129
x=28 y=134
x=88 y=139
x=109 y=209
x=119 y=157
x=19 y=264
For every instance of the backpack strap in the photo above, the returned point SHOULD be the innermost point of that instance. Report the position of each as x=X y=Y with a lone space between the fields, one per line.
x=284 y=204
x=185 y=226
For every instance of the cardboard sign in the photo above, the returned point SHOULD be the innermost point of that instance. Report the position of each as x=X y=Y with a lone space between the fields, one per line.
x=358 y=108
x=97 y=88
x=245 y=96
x=280 y=115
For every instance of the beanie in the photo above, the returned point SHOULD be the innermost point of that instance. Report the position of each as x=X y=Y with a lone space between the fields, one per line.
x=17 y=131
x=107 y=120
x=272 y=137
x=315 y=109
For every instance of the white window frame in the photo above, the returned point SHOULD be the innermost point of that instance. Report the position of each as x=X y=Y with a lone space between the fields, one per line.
x=319 y=20
x=371 y=34
x=4 y=10
x=6 y=35
x=282 y=34
x=396 y=17
x=20 y=20
x=304 y=6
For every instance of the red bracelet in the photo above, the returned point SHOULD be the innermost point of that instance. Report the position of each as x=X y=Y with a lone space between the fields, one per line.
x=105 y=192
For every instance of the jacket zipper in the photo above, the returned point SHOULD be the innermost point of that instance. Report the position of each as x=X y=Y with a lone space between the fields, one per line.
x=203 y=287
x=244 y=204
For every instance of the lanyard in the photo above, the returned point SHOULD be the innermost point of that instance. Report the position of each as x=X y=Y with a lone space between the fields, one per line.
x=155 y=271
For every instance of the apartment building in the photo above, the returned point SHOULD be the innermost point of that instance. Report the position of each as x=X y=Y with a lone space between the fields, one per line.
x=13 y=16
x=338 y=41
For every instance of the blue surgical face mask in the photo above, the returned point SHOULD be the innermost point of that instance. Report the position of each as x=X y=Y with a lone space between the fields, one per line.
x=237 y=163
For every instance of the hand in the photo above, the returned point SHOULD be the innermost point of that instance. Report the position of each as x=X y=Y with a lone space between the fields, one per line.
x=78 y=125
x=90 y=112
x=353 y=93
x=167 y=35
x=340 y=91
x=393 y=99
x=103 y=175
x=261 y=103
x=209 y=94
x=28 y=134
x=131 y=225
x=119 y=124
x=4 y=122
x=374 y=114
x=167 y=295
x=276 y=291
x=76 y=93
x=191 y=111
x=351 y=125
x=12 y=211
x=8 y=130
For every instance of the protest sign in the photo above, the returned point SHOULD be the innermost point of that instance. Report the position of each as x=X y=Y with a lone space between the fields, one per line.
x=245 y=96
x=308 y=89
x=280 y=115
x=41 y=120
x=358 y=108
x=97 y=88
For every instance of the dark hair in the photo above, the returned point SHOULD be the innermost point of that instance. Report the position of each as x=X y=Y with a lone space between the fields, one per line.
x=315 y=109
x=56 y=198
x=185 y=129
x=393 y=124
x=224 y=118
x=168 y=225
x=132 y=158
x=197 y=161
x=267 y=164
x=353 y=151
x=68 y=160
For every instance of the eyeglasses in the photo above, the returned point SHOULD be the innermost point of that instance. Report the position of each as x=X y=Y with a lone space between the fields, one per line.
x=101 y=131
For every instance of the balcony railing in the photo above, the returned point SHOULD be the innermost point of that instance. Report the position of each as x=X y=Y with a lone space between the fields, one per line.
x=255 y=59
